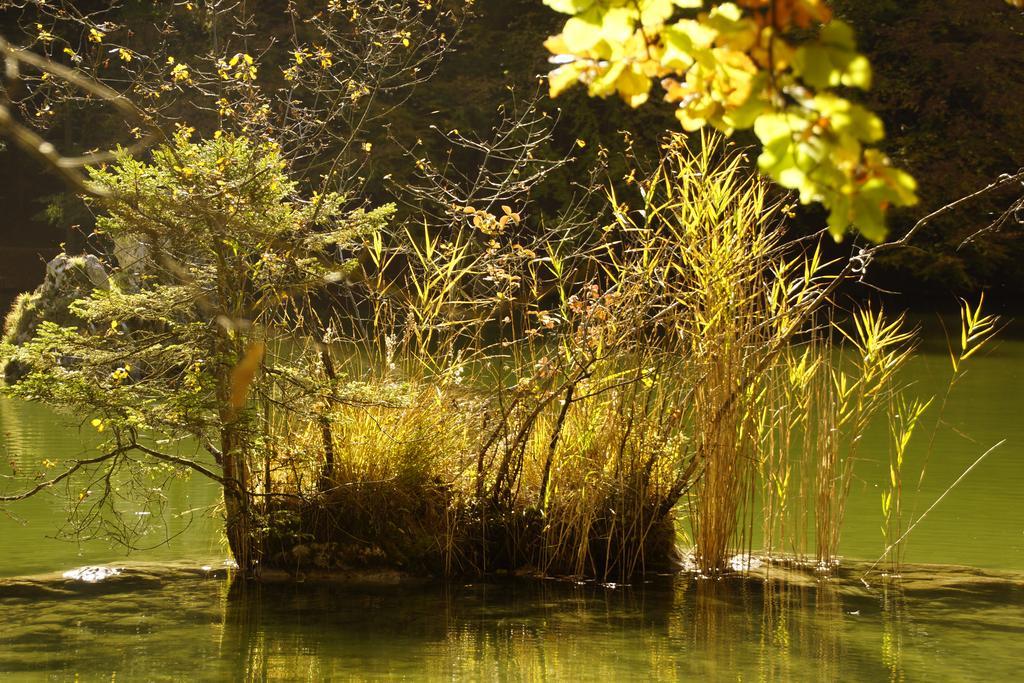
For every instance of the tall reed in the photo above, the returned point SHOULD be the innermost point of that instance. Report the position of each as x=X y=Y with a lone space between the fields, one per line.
x=503 y=396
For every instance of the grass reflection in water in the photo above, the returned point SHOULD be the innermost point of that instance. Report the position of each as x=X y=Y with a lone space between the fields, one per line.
x=154 y=624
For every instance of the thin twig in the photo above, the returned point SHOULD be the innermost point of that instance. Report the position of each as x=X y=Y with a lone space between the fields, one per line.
x=930 y=508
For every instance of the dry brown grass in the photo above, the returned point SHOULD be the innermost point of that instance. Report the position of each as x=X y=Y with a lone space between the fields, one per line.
x=562 y=409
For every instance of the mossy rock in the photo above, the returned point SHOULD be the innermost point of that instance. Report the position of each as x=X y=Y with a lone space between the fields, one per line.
x=68 y=278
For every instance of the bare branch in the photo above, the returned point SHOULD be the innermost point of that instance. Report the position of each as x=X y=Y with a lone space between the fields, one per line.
x=177 y=460
x=78 y=464
x=68 y=167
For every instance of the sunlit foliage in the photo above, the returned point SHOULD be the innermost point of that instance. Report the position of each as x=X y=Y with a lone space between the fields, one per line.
x=780 y=67
x=217 y=253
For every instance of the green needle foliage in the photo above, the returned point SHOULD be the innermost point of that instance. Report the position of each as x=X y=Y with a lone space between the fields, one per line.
x=217 y=252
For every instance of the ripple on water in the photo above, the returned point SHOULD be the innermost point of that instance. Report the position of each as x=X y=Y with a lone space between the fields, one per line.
x=783 y=623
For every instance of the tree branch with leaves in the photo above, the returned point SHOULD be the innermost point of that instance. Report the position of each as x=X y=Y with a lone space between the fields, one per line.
x=782 y=68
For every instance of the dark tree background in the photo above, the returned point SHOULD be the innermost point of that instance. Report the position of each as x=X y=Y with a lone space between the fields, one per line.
x=949 y=83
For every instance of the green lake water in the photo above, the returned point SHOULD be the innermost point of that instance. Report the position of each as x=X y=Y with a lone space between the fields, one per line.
x=168 y=620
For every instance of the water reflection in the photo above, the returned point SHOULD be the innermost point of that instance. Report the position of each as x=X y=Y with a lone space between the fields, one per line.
x=669 y=629
x=162 y=515
x=160 y=625
x=894 y=608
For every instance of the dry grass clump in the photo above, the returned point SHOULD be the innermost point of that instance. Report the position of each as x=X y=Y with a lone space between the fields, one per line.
x=504 y=401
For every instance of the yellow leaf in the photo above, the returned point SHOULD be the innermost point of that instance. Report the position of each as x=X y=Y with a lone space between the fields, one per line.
x=243 y=374
x=564 y=77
